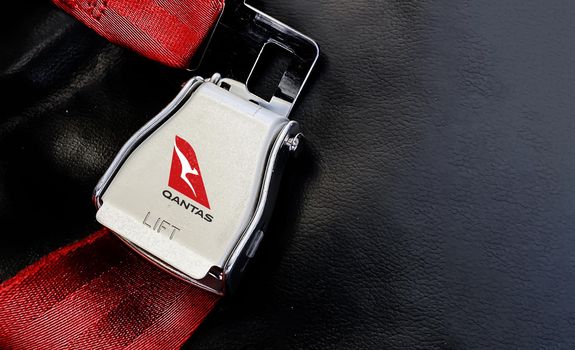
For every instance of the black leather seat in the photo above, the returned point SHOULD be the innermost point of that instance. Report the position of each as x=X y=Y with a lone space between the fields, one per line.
x=433 y=206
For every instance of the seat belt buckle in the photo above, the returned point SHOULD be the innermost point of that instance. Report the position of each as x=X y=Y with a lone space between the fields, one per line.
x=193 y=190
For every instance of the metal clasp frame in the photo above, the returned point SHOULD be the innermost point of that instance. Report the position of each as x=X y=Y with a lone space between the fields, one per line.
x=215 y=261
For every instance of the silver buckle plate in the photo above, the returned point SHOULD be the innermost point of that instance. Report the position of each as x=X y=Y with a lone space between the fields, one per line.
x=193 y=190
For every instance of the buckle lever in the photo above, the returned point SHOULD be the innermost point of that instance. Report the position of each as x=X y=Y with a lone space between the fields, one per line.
x=193 y=189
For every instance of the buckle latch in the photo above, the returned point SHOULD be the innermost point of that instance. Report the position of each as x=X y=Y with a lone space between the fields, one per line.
x=193 y=189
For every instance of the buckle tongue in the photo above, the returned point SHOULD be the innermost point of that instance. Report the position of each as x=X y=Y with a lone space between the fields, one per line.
x=243 y=33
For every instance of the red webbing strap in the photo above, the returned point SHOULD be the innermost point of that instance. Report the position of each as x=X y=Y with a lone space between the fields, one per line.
x=96 y=294
x=168 y=31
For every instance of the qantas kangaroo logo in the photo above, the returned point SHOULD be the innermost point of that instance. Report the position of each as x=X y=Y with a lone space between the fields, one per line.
x=185 y=174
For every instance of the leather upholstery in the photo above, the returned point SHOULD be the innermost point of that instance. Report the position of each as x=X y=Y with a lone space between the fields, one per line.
x=431 y=209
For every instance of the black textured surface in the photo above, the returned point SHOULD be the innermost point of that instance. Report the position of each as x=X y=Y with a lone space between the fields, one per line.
x=433 y=207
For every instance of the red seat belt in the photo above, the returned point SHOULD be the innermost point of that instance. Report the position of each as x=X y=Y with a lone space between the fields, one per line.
x=168 y=31
x=97 y=294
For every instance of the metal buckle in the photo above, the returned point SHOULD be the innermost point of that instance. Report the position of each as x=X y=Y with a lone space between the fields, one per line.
x=246 y=31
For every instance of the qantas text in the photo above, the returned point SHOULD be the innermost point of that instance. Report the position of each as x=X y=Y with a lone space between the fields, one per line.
x=187 y=205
